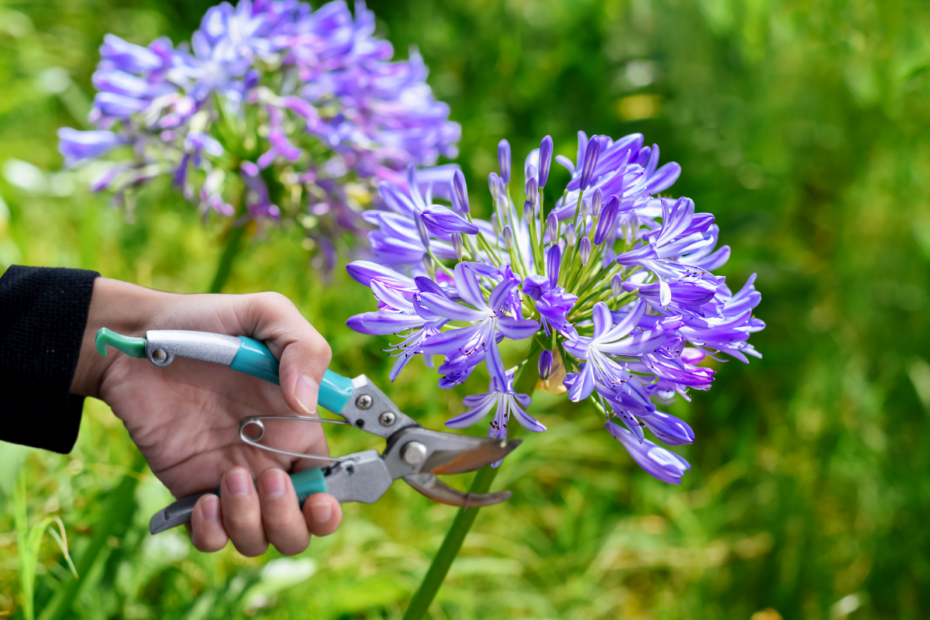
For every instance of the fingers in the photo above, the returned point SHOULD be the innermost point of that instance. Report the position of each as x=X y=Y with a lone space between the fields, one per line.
x=207 y=531
x=241 y=512
x=323 y=514
x=304 y=354
x=285 y=527
x=254 y=517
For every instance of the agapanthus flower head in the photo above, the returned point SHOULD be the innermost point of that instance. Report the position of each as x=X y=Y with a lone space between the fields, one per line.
x=271 y=110
x=612 y=286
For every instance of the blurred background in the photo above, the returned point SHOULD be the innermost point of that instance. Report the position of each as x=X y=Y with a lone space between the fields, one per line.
x=801 y=125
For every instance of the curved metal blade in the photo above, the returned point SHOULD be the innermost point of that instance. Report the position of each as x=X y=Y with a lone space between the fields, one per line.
x=446 y=462
x=437 y=490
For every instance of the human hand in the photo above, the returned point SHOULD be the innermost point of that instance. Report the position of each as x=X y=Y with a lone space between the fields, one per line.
x=185 y=417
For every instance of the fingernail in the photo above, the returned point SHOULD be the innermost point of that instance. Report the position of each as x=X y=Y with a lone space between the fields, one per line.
x=321 y=512
x=273 y=483
x=238 y=482
x=211 y=508
x=306 y=393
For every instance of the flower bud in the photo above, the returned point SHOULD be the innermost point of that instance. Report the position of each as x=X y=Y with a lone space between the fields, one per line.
x=597 y=202
x=585 y=209
x=570 y=235
x=421 y=229
x=532 y=190
x=508 y=237
x=545 y=160
x=616 y=285
x=553 y=260
x=458 y=246
x=528 y=211
x=584 y=250
x=460 y=192
x=430 y=267
x=503 y=160
x=495 y=226
x=530 y=173
x=608 y=221
x=545 y=364
x=552 y=223
x=591 y=153
x=494 y=185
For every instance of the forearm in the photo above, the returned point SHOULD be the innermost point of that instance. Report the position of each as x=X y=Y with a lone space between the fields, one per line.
x=42 y=317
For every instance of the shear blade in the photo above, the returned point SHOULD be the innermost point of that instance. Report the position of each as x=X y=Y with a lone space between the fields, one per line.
x=438 y=491
x=445 y=462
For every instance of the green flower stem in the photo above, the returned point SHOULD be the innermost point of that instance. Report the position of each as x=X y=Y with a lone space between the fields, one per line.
x=442 y=561
x=234 y=243
x=224 y=267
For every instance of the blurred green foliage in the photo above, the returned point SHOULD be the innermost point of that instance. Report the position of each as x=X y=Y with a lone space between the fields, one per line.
x=801 y=125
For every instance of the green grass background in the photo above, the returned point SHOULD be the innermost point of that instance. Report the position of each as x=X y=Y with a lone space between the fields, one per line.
x=802 y=125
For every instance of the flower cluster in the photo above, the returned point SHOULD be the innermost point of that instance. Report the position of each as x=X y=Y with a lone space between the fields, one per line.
x=614 y=286
x=287 y=108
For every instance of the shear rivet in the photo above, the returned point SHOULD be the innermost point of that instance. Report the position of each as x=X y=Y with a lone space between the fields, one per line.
x=363 y=401
x=413 y=453
x=159 y=355
x=386 y=419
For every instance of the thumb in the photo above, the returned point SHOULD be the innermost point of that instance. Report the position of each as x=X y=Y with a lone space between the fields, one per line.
x=302 y=352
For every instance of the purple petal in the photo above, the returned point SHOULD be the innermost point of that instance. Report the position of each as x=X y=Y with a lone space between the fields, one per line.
x=603 y=321
x=445 y=307
x=500 y=294
x=443 y=221
x=668 y=429
x=382 y=323
x=466 y=283
x=517 y=329
x=527 y=421
x=663 y=178
x=475 y=414
x=449 y=342
x=658 y=462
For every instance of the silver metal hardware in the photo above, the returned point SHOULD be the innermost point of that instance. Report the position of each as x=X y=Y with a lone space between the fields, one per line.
x=368 y=404
x=259 y=432
x=386 y=419
x=215 y=348
x=413 y=453
x=359 y=477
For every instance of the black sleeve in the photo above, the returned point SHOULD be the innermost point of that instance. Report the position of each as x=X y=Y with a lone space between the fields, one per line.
x=43 y=315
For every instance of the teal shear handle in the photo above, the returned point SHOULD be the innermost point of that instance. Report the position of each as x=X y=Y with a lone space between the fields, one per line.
x=254 y=358
x=242 y=354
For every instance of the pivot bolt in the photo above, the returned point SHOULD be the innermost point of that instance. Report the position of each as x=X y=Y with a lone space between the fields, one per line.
x=159 y=355
x=363 y=402
x=386 y=419
x=413 y=453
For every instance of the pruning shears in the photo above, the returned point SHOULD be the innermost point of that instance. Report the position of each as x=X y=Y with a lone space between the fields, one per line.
x=413 y=453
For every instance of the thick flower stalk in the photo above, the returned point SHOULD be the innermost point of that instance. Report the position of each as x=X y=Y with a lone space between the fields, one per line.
x=275 y=108
x=614 y=282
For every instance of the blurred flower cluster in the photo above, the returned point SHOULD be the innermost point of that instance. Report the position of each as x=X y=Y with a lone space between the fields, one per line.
x=271 y=110
x=614 y=286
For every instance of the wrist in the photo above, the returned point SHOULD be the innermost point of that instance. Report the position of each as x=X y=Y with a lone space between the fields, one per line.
x=122 y=307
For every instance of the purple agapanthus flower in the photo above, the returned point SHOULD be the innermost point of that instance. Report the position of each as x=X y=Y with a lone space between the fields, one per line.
x=613 y=283
x=258 y=84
